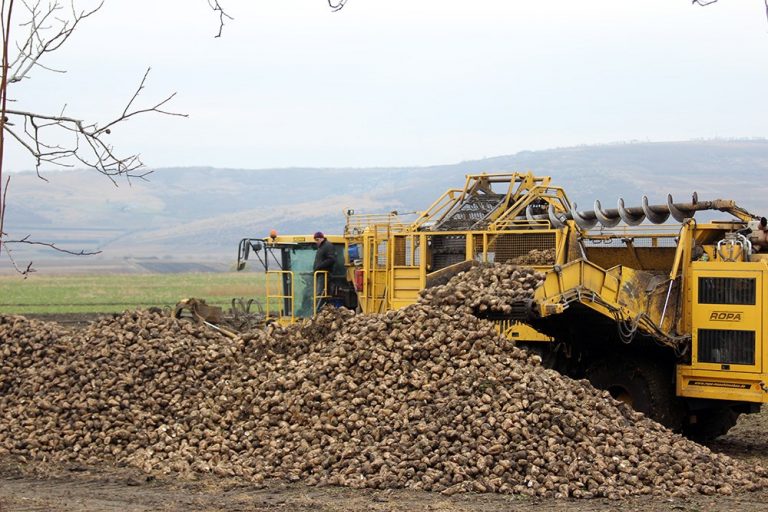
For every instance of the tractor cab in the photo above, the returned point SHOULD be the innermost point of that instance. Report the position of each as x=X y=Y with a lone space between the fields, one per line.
x=292 y=289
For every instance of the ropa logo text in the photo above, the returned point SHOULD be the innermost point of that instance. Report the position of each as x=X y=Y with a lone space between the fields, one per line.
x=725 y=316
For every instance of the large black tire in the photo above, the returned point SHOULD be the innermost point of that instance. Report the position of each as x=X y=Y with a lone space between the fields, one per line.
x=645 y=385
x=708 y=424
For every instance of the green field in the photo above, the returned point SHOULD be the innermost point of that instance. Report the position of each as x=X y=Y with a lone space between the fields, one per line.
x=116 y=293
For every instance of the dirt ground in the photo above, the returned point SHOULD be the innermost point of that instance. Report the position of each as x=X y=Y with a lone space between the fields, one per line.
x=42 y=486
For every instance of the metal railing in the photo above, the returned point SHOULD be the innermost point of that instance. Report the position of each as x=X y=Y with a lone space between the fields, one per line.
x=280 y=296
x=357 y=223
x=315 y=297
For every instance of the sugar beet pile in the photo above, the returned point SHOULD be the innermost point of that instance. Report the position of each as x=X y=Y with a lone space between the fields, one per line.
x=427 y=397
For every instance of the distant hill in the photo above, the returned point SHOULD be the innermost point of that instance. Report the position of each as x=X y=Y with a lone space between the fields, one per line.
x=201 y=212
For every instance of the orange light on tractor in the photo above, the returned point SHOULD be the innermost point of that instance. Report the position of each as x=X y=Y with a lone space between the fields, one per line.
x=273 y=234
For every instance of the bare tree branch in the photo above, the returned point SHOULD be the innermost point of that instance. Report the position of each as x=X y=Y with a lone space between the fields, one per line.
x=214 y=4
x=223 y=16
x=44 y=38
x=3 y=104
x=26 y=240
x=3 y=199
x=704 y=3
x=48 y=26
x=338 y=5
x=88 y=144
x=127 y=112
x=9 y=254
x=59 y=139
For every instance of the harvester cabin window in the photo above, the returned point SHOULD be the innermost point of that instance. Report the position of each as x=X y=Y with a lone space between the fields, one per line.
x=727 y=290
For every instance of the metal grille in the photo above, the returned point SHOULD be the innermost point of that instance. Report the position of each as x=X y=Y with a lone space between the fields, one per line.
x=406 y=251
x=381 y=254
x=357 y=223
x=474 y=209
x=507 y=247
x=447 y=250
x=726 y=346
x=477 y=243
x=400 y=251
x=413 y=256
x=727 y=290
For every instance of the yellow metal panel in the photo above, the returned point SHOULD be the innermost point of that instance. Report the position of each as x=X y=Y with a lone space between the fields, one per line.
x=737 y=317
x=721 y=385
x=406 y=284
x=295 y=239
x=641 y=258
x=577 y=276
x=620 y=291
x=375 y=260
x=520 y=332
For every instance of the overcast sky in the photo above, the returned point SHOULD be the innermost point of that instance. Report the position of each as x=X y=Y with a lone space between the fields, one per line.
x=398 y=82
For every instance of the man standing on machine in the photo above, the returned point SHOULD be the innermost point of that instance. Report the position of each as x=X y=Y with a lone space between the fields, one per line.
x=325 y=259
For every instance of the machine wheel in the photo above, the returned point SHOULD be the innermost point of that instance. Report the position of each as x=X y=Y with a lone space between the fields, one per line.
x=647 y=386
x=710 y=423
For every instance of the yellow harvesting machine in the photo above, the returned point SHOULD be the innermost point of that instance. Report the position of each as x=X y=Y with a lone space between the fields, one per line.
x=664 y=312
